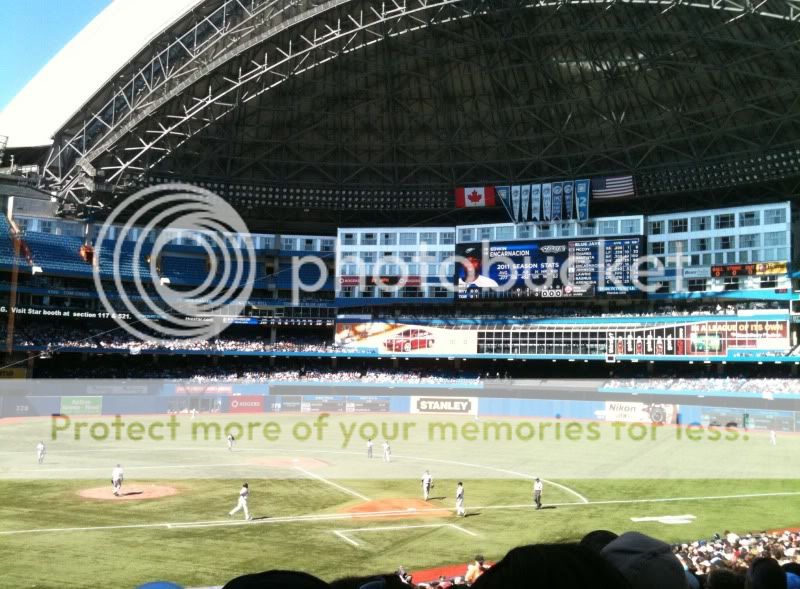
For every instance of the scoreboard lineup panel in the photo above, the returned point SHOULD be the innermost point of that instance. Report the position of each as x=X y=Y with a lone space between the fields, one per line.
x=677 y=338
x=714 y=338
x=555 y=268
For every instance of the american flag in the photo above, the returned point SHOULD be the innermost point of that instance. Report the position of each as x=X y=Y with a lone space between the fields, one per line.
x=613 y=187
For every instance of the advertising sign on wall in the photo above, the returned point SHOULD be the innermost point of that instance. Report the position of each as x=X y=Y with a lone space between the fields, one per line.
x=656 y=413
x=445 y=405
x=81 y=405
x=247 y=404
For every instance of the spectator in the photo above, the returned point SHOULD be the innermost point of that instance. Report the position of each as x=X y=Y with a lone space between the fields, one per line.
x=277 y=580
x=647 y=563
x=563 y=566
x=475 y=569
x=765 y=573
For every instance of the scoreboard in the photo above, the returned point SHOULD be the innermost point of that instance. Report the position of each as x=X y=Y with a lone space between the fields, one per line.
x=554 y=268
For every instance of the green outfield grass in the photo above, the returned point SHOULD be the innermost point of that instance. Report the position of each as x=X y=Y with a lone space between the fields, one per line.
x=188 y=538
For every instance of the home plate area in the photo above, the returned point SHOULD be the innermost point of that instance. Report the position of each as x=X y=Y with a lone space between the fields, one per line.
x=394 y=509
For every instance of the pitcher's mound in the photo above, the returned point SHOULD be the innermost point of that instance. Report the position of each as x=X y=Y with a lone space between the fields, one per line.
x=287 y=462
x=397 y=509
x=132 y=493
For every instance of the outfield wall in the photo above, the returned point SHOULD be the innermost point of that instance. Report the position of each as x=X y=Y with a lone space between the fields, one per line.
x=623 y=408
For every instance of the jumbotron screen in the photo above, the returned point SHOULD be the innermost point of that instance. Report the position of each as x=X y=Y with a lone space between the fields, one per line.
x=553 y=268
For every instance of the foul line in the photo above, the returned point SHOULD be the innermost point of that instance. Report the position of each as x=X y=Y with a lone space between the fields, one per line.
x=343 y=534
x=308 y=473
x=346 y=539
x=353 y=516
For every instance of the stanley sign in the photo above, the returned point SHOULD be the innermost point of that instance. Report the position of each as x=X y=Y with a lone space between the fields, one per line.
x=448 y=405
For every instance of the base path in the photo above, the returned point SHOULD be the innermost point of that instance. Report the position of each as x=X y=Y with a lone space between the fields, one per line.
x=398 y=509
x=289 y=462
x=131 y=493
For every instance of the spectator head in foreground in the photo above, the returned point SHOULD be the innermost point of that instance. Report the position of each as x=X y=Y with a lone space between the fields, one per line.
x=277 y=580
x=765 y=573
x=565 y=566
x=647 y=563
x=373 y=582
x=720 y=578
x=598 y=539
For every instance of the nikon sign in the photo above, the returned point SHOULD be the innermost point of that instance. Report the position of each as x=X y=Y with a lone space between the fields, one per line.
x=447 y=405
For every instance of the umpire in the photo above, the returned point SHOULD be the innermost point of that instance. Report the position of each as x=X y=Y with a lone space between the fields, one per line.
x=537 y=493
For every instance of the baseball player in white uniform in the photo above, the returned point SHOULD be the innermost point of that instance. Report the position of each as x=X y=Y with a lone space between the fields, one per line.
x=40 y=452
x=244 y=493
x=231 y=441
x=387 y=452
x=369 y=448
x=427 y=484
x=537 y=493
x=460 y=510
x=116 y=479
x=773 y=438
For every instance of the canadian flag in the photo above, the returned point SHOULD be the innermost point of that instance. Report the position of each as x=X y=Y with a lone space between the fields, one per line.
x=480 y=196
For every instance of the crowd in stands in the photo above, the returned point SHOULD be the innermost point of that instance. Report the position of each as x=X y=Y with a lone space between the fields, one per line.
x=601 y=560
x=760 y=386
x=590 y=310
x=67 y=337
x=214 y=374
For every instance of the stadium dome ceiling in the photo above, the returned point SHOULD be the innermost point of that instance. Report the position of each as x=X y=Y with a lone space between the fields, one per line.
x=440 y=93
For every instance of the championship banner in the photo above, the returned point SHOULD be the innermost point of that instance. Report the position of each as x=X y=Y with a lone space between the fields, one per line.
x=546 y=202
x=558 y=192
x=526 y=198
x=515 y=194
x=582 y=199
x=536 y=202
x=504 y=194
x=568 y=200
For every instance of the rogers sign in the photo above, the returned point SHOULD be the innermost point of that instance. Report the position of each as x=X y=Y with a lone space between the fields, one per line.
x=247 y=404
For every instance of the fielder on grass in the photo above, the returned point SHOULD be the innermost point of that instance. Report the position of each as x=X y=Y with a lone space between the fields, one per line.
x=387 y=452
x=537 y=493
x=460 y=509
x=244 y=493
x=40 y=452
x=427 y=485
